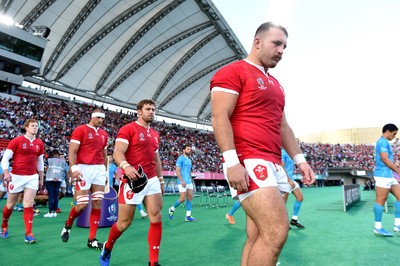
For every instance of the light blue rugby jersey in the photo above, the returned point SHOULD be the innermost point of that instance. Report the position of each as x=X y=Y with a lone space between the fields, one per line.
x=381 y=170
x=289 y=164
x=112 y=168
x=185 y=165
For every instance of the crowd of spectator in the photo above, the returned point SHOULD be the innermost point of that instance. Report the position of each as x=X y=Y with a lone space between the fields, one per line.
x=58 y=119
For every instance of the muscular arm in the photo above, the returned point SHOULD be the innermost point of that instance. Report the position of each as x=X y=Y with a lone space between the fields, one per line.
x=72 y=152
x=158 y=165
x=105 y=157
x=159 y=171
x=119 y=156
x=119 y=152
x=179 y=175
x=222 y=106
x=389 y=163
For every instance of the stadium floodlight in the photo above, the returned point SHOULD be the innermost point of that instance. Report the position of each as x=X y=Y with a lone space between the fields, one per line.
x=42 y=31
x=6 y=20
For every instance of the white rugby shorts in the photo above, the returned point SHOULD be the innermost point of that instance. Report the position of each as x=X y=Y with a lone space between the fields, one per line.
x=184 y=189
x=262 y=173
x=92 y=174
x=20 y=182
x=385 y=182
x=127 y=196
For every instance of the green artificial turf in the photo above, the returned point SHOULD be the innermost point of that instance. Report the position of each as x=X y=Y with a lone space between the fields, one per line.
x=331 y=236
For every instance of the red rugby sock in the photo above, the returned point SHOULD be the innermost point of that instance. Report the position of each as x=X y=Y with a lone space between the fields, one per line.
x=154 y=240
x=28 y=220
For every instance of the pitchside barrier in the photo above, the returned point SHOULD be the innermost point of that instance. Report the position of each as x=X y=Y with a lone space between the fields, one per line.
x=351 y=195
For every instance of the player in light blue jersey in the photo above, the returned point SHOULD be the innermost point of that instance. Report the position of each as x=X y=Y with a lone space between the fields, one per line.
x=112 y=171
x=384 y=180
x=288 y=164
x=185 y=185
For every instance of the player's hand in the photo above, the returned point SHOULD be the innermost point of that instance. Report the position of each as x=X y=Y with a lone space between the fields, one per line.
x=183 y=184
x=291 y=183
x=131 y=173
x=162 y=189
x=307 y=173
x=7 y=178
x=238 y=178
x=77 y=176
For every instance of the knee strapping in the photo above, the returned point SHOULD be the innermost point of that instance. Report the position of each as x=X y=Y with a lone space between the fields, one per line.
x=98 y=195
x=82 y=199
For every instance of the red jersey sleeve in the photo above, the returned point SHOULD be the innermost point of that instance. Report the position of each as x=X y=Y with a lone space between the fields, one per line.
x=228 y=78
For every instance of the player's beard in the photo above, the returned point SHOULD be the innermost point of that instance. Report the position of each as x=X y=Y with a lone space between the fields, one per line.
x=148 y=119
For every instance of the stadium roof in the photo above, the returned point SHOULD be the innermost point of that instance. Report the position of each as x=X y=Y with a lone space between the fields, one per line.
x=130 y=50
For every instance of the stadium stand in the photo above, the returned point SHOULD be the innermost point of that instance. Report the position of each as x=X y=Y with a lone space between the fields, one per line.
x=58 y=118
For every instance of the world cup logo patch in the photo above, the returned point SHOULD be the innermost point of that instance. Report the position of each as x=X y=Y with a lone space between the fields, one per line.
x=260 y=171
x=112 y=208
x=260 y=82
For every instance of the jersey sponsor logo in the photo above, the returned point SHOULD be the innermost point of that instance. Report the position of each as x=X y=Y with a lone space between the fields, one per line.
x=260 y=172
x=141 y=137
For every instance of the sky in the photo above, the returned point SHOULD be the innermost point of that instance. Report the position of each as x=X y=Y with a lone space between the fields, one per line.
x=341 y=68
